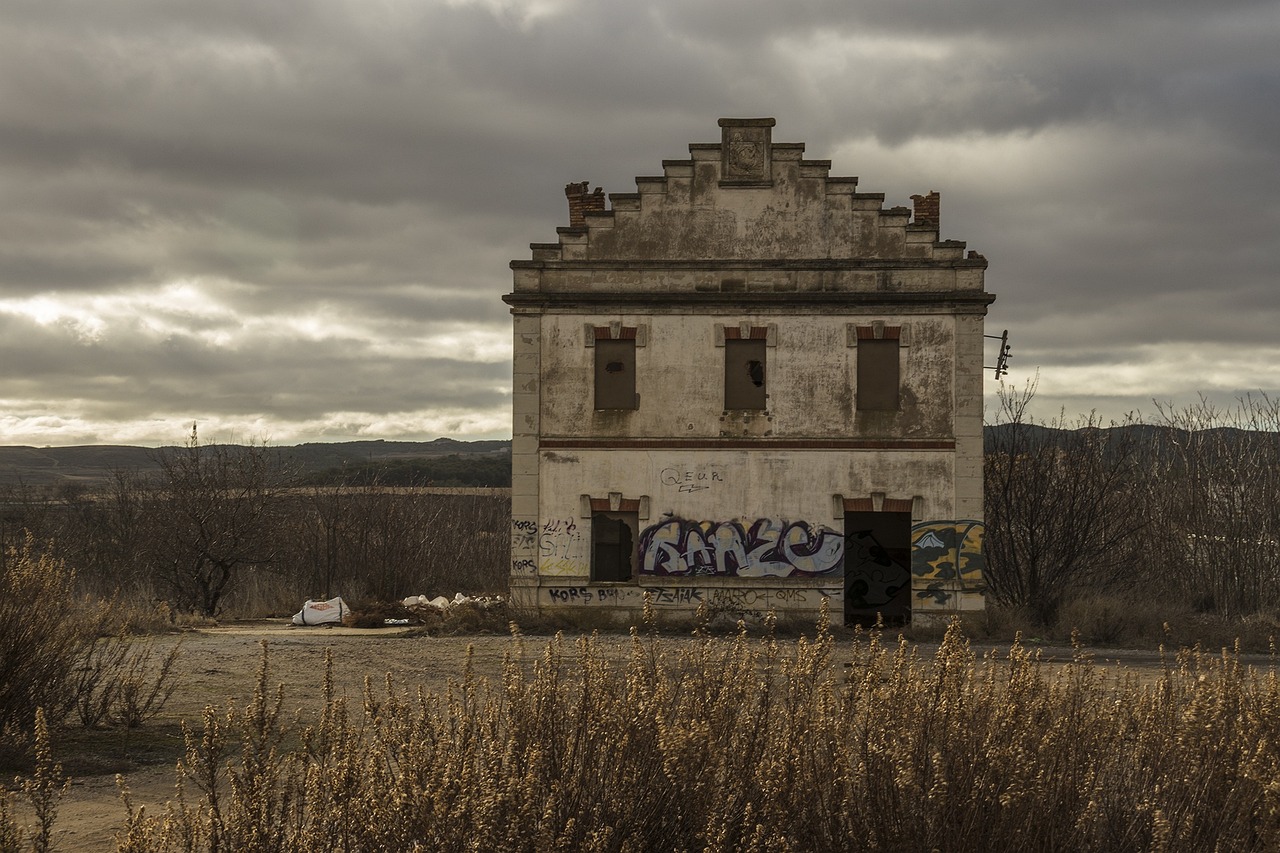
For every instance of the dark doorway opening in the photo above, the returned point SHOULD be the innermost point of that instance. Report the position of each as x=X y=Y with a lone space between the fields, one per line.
x=877 y=567
x=613 y=550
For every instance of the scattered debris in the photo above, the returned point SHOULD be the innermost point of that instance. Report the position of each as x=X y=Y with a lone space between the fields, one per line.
x=461 y=611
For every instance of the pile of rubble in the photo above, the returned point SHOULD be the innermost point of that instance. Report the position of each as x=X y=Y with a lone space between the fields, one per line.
x=460 y=613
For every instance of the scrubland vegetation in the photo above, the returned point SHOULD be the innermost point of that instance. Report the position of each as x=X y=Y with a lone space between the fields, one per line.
x=229 y=531
x=741 y=743
x=1144 y=532
x=1161 y=533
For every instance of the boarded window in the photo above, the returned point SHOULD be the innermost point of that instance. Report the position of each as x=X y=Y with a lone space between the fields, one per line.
x=744 y=374
x=877 y=375
x=615 y=374
x=613 y=545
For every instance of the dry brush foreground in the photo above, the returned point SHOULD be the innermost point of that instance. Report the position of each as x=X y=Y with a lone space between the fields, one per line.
x=744 y=744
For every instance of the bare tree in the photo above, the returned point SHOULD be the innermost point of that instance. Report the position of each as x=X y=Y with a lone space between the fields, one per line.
x=1219 y=505
x=1064 y=504
x=370 y=541
x=213 y=507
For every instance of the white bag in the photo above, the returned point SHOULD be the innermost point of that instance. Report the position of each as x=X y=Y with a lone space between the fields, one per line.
x=321 y=612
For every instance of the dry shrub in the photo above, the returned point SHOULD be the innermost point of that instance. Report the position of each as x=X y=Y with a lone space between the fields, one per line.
x=1004 y=622
x=1254 y=633
x=260 y=593
x=994 y=622
x=45 y=630
x=143 y=615
x=43 y=792
x=375 y=615
x=741 y=744
x=1111 y=620
x=141 y=683
x=57 y=657
x=1139 y=622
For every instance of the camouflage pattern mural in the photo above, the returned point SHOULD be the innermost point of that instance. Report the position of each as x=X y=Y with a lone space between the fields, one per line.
x=947 y=555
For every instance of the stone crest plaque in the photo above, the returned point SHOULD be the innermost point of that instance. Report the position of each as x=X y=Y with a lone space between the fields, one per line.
x=745 y=155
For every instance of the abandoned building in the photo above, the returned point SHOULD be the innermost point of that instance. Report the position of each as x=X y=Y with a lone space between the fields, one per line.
x=751 y=386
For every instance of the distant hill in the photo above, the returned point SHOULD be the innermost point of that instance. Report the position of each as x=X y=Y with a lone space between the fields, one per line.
x=89 y=465
x=447 y=461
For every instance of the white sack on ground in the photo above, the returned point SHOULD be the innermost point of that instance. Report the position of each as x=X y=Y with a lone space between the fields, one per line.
x=321 y=612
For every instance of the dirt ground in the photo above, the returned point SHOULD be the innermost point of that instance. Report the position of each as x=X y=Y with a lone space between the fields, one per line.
x=219 y=664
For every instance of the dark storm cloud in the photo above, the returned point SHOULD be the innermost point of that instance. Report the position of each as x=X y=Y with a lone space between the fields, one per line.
x=295 y=210
x=294 y=380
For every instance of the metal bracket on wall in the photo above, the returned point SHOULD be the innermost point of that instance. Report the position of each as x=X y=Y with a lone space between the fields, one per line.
x=1001 y=367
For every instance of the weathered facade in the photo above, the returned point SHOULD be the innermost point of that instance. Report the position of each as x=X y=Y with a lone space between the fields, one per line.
x=748 y=385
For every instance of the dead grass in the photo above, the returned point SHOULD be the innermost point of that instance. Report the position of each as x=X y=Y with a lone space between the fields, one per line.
x=1120 y=621
x=734 y=743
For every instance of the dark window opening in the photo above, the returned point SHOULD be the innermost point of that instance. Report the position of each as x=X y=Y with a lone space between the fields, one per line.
x=878 y=377
x=745 y=374
x=615 y=383
x=613 y=551
x=877 y=567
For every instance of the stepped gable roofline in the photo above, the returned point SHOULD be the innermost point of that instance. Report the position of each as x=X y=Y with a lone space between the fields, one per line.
x=746 y=198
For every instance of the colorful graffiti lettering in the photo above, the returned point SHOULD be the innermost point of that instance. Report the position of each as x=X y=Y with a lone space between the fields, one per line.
x=947 y=551
x=768 y=549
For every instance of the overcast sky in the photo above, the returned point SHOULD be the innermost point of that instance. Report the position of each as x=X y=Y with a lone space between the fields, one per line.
x=292 y=221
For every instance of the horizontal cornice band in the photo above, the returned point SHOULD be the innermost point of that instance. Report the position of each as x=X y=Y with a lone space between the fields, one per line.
x=947 y=298
x=746 y=444
x=729 y=264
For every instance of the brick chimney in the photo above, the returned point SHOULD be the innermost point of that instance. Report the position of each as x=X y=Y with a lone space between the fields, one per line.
x=581 y=201
x=926 y=209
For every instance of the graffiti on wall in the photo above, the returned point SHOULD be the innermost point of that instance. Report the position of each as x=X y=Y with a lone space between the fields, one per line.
x=523 y=535
x=523 y=540
x=767 y=549
x=947 y=554
x=758 y=603
x=688 y=480
x=735 y=602
x=613 y=596
x=584 y=595
x=560 y=548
